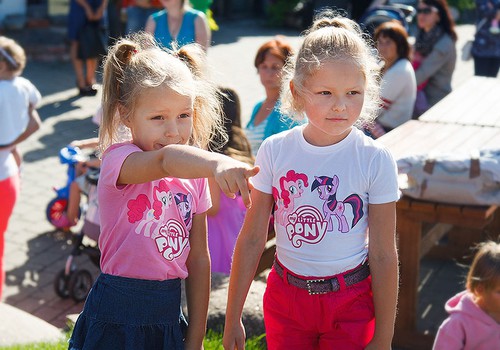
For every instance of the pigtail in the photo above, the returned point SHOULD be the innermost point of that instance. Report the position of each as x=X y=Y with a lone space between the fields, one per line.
x=117 y=60
x=208 y=116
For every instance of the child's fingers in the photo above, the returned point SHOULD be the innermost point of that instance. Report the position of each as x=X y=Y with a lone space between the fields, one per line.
x=245 y=185
x=252 y=172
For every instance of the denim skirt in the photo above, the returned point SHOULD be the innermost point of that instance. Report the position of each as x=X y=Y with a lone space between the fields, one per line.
x=128 y=313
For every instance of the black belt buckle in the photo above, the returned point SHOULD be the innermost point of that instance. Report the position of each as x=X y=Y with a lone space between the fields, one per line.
x=311 y=283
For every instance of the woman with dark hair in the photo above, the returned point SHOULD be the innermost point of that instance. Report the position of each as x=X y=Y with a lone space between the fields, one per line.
x=398 y=86
x=434 y=51
x=266 y=119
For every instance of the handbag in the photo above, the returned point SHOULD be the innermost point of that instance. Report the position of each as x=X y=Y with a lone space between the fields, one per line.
x=452 y=178
x=92 y=41
x=467 y=50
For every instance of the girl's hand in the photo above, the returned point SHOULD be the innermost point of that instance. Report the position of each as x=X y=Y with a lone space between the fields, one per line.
x=234 y=337
x=233 y=176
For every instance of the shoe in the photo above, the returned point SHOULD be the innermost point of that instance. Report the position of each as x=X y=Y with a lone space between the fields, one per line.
x=88 y=91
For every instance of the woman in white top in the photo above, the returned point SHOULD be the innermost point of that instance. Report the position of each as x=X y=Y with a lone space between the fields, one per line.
x=398 y=86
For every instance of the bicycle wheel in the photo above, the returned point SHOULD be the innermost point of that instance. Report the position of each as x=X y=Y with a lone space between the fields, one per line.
x=55 y=210
x=79 y=285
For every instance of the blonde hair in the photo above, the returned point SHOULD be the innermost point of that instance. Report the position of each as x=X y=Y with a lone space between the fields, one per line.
x=485 y=268
x=13 y=54
x=137 y=63
x=331 y=37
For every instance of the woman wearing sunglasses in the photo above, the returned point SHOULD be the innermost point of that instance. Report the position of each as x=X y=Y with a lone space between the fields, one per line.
x=434 y=54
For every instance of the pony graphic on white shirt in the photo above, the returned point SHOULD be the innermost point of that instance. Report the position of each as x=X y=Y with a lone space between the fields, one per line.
x=291 y=187
x=327 y=190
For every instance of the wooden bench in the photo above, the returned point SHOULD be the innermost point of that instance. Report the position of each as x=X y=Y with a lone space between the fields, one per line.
x=468 y=119
x=420 y=226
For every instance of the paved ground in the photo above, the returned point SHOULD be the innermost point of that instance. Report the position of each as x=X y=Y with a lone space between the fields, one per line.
x=35 y=253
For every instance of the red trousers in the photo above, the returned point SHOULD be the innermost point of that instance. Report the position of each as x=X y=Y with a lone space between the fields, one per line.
x=9 y=190
x=342 y=320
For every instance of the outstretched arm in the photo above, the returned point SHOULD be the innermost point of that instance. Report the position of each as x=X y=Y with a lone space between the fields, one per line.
x=248 y=250
x=197 y=283
x=383 y=261
x=188 y=162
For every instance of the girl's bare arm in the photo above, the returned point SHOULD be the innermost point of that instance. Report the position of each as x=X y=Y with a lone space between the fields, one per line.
x=189 y=162
x=197 y=283
x=249 y=248
x=383 y=259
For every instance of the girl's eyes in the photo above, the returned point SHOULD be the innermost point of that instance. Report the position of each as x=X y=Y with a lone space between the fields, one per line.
x=181 y=116
x=328 y=93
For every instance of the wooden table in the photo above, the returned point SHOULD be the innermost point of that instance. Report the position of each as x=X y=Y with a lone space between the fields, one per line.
x=475 y=102
x=467 y=119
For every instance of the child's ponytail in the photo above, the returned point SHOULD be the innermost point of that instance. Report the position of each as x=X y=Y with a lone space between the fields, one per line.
x=208 y=119
x=119 y=56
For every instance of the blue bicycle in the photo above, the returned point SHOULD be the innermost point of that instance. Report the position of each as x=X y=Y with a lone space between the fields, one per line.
x=55 y=209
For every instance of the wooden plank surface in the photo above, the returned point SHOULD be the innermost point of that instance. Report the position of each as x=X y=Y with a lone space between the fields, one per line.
x=417 y=137
x=475 y=102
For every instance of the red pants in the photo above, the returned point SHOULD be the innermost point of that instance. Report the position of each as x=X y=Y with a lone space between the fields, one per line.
x=9 y=189
x=342 y=320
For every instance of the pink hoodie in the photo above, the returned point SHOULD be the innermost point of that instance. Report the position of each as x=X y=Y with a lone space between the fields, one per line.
x=468 y=327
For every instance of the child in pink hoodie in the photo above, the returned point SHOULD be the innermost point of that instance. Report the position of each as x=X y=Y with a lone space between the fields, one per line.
x=474 y=321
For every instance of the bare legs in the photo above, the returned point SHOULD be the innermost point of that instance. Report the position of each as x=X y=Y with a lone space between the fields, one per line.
x=85 y=78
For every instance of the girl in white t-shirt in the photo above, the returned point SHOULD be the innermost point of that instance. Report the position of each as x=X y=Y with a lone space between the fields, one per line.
x=18 y=120
x=147 y=242
x=334 y=281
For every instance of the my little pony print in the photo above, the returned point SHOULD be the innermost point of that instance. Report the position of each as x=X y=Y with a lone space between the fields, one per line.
x=291 y=187
x=184 y=205
x=327 y=190
x=150 y=214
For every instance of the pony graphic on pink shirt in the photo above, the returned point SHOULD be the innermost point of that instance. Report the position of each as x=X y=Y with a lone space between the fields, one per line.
x=150 y=214
x=184 y=204
x=291 y=187
x=327 y=190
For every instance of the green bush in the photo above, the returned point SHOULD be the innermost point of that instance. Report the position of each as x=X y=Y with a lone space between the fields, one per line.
x=278 y=10
x=462 y=5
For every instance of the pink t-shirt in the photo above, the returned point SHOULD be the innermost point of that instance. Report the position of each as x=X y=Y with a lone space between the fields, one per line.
x=145 y=227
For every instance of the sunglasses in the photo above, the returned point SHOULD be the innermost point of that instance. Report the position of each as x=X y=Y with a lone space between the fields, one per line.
x=426 y=10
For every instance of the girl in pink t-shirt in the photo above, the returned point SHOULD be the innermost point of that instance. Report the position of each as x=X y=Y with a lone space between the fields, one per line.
x=153 y=198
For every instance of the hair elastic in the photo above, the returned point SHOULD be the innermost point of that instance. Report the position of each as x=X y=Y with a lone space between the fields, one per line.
x=8 y=57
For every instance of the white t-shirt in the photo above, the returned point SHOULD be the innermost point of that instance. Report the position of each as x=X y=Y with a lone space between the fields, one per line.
x=16 y=96
x=315 y=236
x=398 y=92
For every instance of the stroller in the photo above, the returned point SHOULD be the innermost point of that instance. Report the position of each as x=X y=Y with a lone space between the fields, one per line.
x=404 y=11
x=72 y=281
x=392 y=10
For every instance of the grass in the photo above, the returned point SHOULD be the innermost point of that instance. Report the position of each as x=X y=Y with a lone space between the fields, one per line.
x=213 y=341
